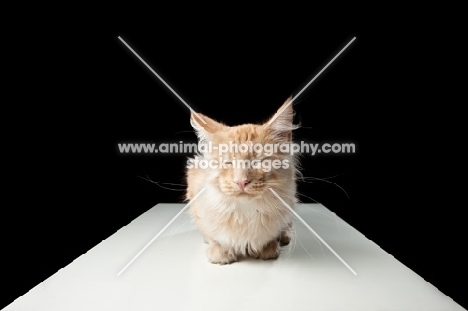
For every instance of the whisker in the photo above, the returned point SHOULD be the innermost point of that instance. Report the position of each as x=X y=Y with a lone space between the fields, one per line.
x=333 y=216
x=324 y=180
x=159 y=184
x=329 y=177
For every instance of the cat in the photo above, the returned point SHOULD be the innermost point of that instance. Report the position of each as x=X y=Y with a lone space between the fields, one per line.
x=237 y=213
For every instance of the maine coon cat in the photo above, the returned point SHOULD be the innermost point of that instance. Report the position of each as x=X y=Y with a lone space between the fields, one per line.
x=237 y=213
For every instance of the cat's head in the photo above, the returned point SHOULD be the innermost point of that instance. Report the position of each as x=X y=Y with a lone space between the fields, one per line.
x=247 y=159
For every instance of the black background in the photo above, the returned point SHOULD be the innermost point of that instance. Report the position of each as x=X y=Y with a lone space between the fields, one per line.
x=72 y=188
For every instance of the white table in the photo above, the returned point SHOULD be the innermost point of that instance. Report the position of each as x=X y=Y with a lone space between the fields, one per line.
x=174 y=274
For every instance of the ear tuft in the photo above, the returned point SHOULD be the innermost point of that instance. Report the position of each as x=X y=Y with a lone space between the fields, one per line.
x=204 y=129
x=281 y=124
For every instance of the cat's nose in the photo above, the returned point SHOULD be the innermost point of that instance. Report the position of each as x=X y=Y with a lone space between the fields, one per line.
x=242 y=183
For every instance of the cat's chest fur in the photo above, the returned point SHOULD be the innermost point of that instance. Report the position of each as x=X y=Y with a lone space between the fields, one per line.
x=239 y=221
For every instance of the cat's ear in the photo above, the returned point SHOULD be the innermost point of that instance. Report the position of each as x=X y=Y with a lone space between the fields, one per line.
x=281 y=124
x=204 y=126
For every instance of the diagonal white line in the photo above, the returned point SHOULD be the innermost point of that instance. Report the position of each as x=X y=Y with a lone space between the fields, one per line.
x=160 y=232
x=313 y=231
x=303 y=89
x=167 y=85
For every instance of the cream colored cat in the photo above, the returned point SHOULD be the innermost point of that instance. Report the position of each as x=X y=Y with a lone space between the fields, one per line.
x=237 y=213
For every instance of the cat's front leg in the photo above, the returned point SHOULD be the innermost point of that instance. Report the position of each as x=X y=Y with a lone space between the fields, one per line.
x=217 y=254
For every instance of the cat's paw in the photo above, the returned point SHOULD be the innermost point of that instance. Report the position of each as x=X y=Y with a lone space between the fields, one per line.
x=285 y=237
x=269 y=251
x=218 y=255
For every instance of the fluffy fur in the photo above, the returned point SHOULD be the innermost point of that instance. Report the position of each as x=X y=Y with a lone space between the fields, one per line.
x=240 y=222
